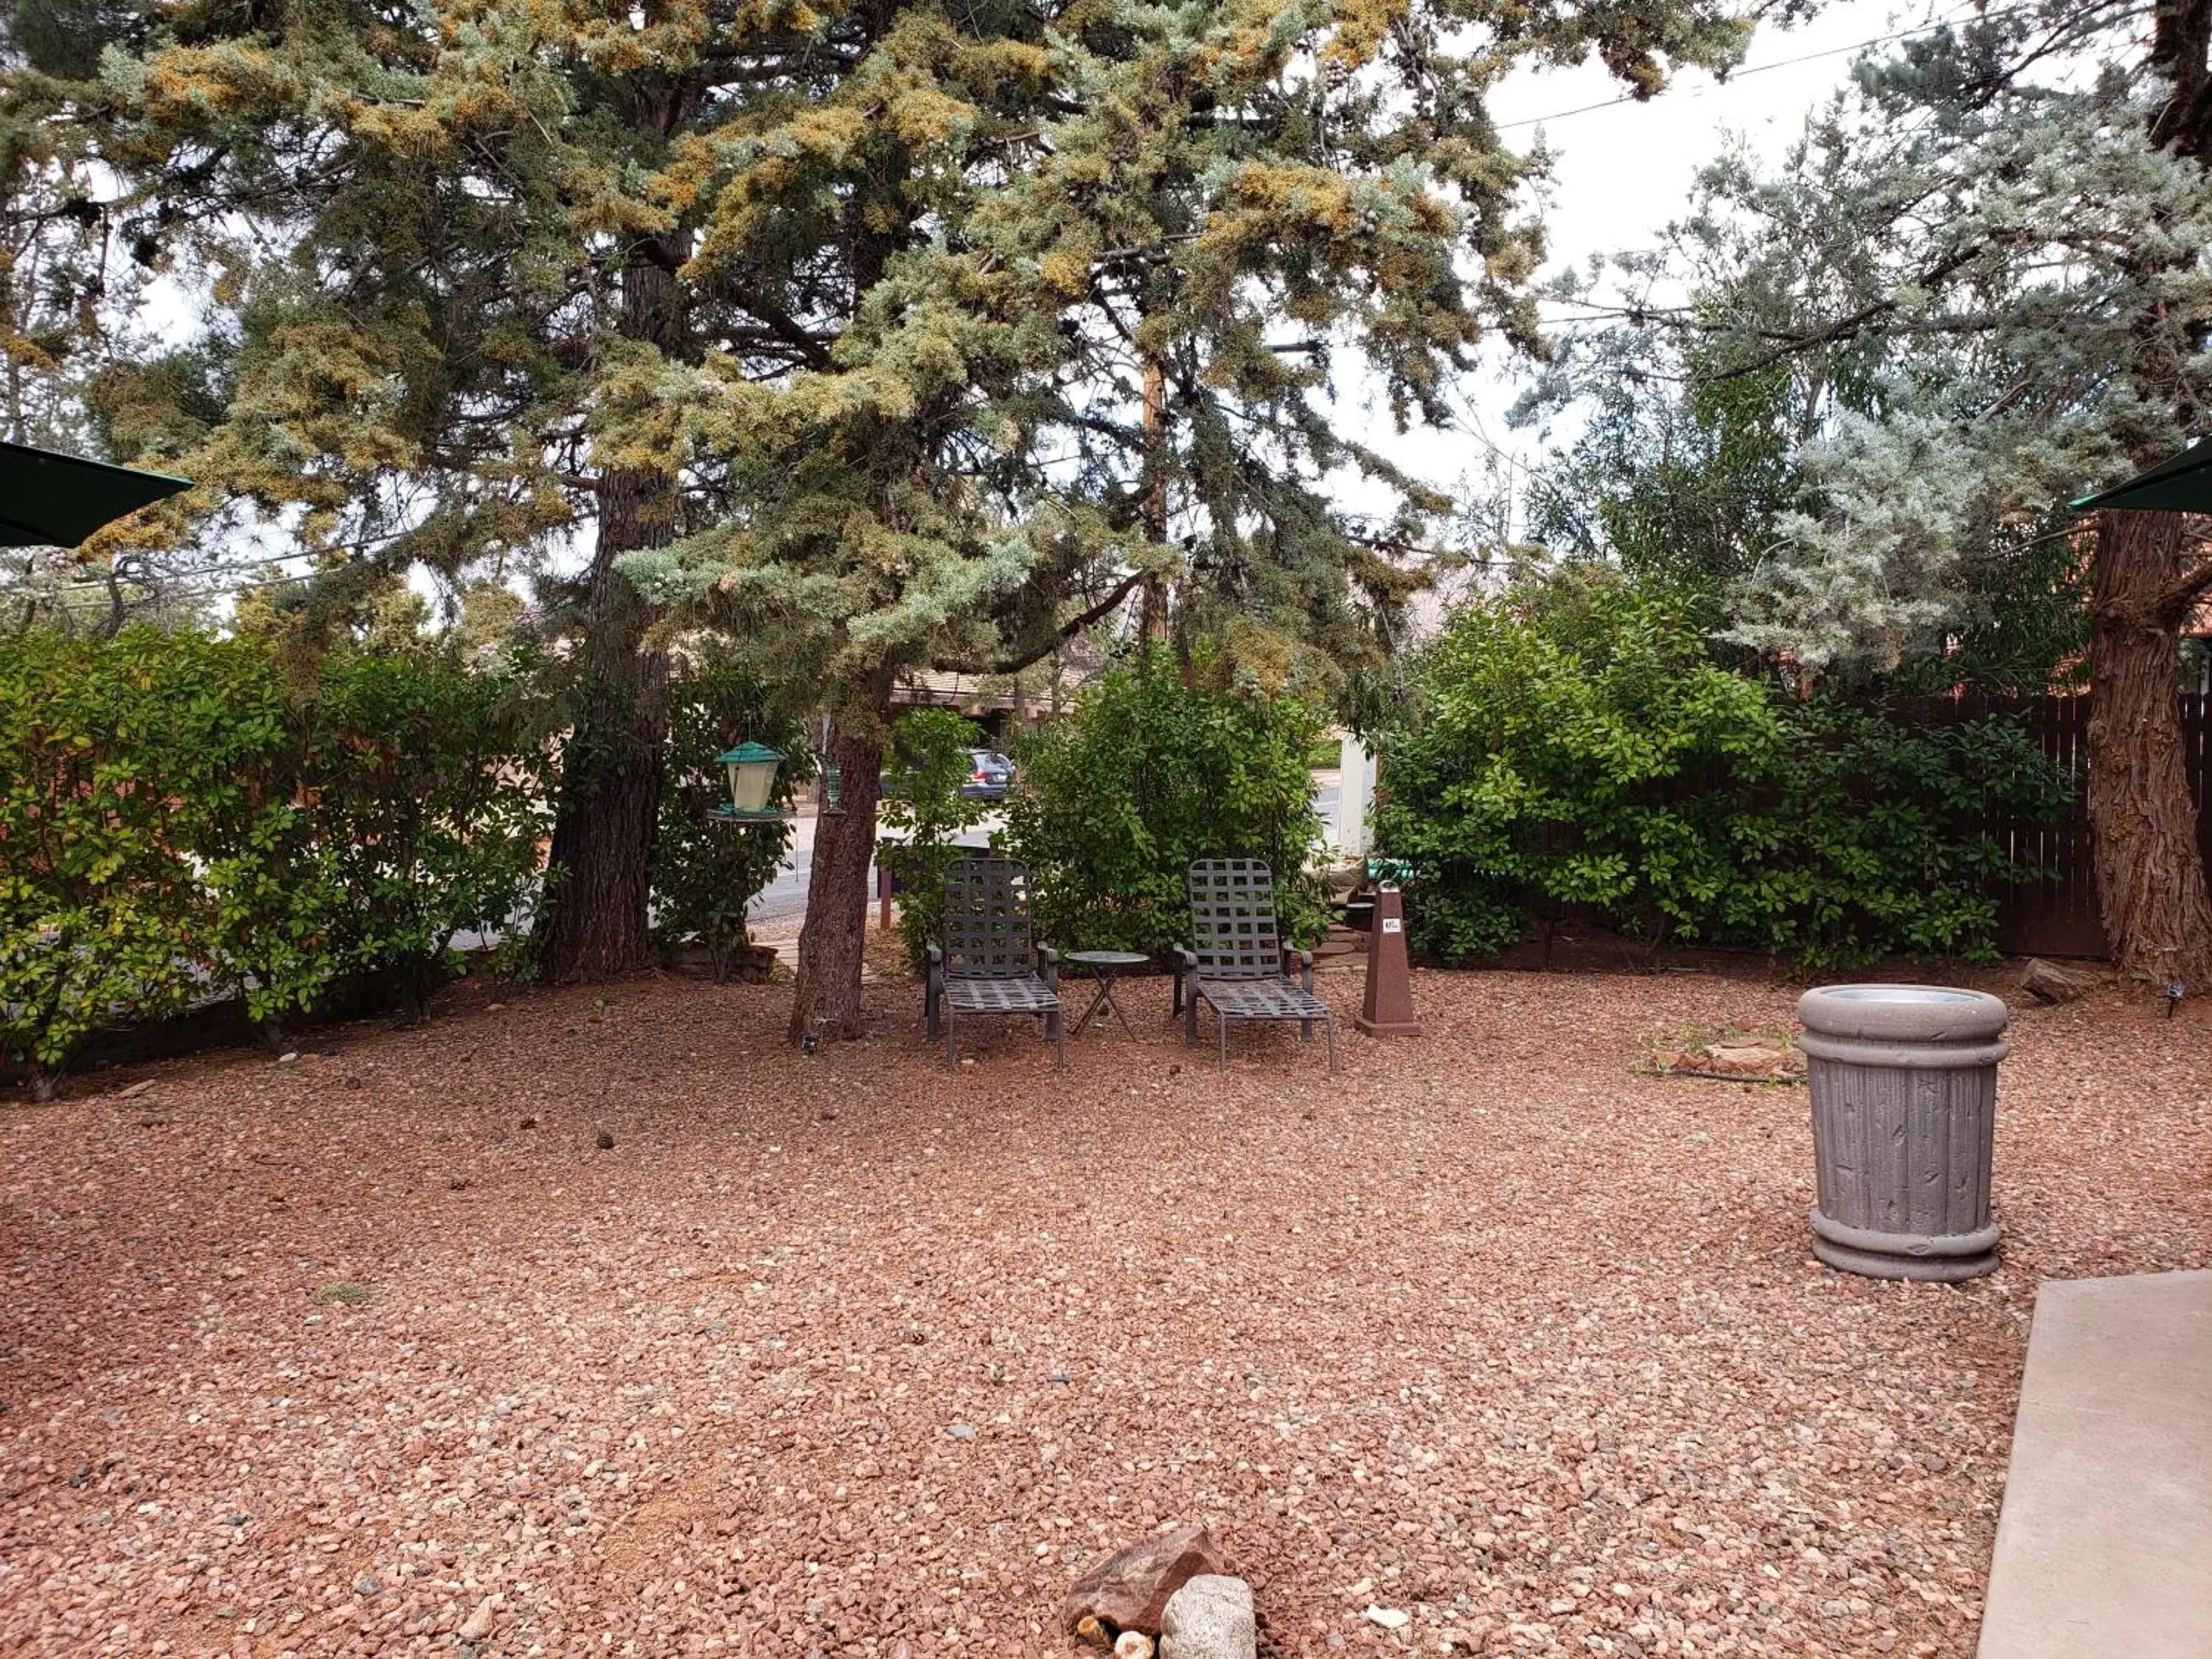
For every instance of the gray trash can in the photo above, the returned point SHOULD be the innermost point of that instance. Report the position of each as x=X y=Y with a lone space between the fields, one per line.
x=1904 y=1093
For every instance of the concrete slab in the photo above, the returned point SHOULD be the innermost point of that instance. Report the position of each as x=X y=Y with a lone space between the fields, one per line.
x=2104 y=1543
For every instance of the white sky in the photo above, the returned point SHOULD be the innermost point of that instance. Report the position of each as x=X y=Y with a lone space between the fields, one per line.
x=1621 y=173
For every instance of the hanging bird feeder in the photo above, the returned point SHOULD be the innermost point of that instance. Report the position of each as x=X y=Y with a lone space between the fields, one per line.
x=752 y=768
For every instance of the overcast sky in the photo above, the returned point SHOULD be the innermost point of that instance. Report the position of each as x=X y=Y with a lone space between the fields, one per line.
x=1622 y=171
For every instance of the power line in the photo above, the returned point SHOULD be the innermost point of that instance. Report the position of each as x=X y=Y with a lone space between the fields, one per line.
x=1763 y=69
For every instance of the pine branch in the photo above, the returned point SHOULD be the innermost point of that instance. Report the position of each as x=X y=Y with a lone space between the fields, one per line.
x=1017 y=661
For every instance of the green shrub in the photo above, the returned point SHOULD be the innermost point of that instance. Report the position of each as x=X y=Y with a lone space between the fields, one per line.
x=1882 y=834
x=1571 y=744
x=1144 y=777
x=429 y=801
x=176 y=820
x=707 y=872
x=924 y=765
x=135 y=788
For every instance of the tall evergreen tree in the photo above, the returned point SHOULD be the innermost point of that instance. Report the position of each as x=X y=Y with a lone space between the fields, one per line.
x=829 y=323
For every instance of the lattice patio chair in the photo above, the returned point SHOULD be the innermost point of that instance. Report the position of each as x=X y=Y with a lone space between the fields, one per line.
x=986 y=960
x=1236 y=962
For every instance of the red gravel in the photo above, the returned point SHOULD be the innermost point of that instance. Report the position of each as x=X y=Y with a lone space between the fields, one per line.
x=827 y=1354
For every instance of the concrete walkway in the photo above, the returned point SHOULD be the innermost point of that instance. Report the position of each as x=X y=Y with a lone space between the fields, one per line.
x=2105 y=1545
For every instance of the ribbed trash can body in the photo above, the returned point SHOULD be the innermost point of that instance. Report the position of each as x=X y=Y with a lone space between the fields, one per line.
x=1904 y=1093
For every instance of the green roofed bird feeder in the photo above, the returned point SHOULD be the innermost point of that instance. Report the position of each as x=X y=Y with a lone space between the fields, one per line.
x=752 y=781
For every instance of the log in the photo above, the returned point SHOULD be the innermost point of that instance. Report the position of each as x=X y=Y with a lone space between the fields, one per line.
x=2050 y=982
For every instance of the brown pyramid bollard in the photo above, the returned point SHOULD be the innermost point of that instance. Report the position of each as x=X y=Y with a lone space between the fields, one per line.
x=1388 y=1008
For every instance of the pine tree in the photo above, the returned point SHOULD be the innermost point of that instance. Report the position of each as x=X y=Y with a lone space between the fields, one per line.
x=830 y=324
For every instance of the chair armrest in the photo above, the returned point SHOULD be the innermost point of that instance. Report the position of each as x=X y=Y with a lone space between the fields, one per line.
x=1048 y=960
x=1186 y=959
x=935 y=952
x=1303 y=960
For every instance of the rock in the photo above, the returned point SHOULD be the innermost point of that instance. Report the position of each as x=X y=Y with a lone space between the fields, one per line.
x=1388 y=1618
x=606 y=1142
x=961 y=1430
x=2048 y=981
x=1210 y=1618
x=1129 y=1589
x=1132 y=1644
x=1748 y=1058
x=477 y=1624
x=1090 y=1631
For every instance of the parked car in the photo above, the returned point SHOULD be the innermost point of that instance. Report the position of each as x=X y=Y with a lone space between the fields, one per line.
x=990 y=775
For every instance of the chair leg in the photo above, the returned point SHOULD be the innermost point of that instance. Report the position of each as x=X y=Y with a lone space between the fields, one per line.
x=1057 y=1022
x=952 y=1041
x=1190 y=1021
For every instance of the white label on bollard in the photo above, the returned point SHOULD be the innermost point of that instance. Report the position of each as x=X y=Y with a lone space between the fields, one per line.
x=1392 y=924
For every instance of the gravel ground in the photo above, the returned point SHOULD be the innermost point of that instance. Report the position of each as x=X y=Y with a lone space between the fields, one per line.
x=825 y=1355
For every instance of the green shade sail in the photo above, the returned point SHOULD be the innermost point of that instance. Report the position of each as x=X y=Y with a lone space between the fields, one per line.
x=2180 y=483
x=56 y=501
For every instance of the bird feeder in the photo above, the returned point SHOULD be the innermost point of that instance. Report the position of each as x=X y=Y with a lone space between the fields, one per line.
x=751 y=766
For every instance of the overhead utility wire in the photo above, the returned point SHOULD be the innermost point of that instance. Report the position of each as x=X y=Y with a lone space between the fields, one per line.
x=1786 y=63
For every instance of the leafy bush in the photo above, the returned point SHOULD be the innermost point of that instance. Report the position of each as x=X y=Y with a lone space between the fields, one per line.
x=175 y=820
x=1146 y=776
x=706 y=872
x=1571 y=744
x=1882 y=836
x=924 y=765
x=115 y=756
x=427 y=803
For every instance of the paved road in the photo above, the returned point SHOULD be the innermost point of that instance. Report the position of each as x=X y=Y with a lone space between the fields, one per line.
x=783 y=900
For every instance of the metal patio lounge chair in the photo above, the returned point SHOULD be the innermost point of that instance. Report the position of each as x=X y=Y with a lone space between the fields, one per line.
x=1237 y=963
x=986 y=960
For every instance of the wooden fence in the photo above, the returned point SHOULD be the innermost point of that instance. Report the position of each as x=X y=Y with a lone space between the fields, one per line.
x=2057 y=917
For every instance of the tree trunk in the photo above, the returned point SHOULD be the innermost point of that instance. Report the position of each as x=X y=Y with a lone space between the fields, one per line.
x=2150 y=872
x=828 y=996
x=599 y=876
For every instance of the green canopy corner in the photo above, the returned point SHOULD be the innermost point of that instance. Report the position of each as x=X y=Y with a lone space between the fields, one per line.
x=48 y=500
x=2180 y=483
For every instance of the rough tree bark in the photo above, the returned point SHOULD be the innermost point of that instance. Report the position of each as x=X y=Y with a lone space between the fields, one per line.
x=599 y=876
x=827 y=998
x=2150 y=872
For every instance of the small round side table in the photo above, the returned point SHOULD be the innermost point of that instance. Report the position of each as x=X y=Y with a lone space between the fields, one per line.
x=1103 y=965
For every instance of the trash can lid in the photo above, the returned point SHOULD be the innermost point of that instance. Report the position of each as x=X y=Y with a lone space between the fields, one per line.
x=1909 y=1013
